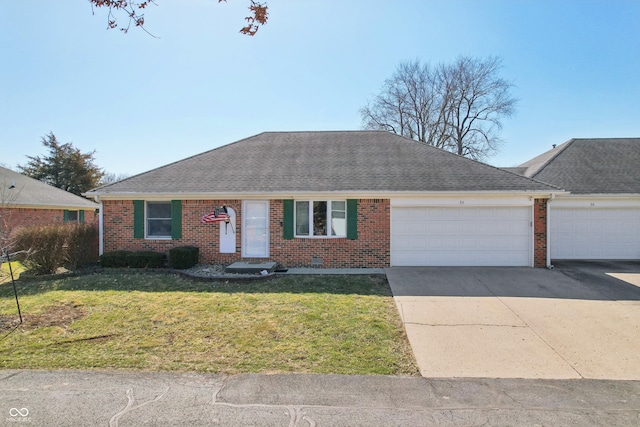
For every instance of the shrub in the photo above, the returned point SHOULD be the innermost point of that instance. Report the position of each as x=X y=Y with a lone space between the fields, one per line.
x=145 y=259
x=43 y=247
x=82 y=245
x=183 y=257
x=48 y=247
x=115 y=259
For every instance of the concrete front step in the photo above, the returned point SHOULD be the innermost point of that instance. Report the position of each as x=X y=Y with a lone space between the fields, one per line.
x=242 y=267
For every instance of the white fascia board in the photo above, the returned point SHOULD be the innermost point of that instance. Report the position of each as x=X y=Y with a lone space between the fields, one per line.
x=322 y=195
x=597 y=201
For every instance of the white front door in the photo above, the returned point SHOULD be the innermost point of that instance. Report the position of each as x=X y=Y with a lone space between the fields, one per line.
x=255 y=230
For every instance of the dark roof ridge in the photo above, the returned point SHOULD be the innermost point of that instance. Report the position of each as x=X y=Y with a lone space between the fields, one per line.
x=602 y=139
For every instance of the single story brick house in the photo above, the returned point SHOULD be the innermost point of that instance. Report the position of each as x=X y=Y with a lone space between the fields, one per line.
x=332 y=199
x=27 y=201
x=599 y=217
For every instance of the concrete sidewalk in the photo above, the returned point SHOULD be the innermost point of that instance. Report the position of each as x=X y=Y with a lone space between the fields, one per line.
x=118 y=399
x=521 y=322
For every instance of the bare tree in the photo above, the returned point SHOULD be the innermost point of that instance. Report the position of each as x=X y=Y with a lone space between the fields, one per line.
x=457 y=107
x=111 y=177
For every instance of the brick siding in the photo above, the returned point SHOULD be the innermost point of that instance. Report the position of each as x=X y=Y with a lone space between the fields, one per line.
x=371 y=249
x=13 y=218
x=540 y=233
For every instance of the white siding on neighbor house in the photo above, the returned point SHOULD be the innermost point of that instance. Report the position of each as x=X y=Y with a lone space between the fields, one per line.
x=593 y=232
x=461 y=236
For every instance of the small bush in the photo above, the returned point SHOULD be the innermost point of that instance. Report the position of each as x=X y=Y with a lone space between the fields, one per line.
x=183 y=257
x=115 y=259
x=43 y=247
x=145 y=259
x=82 y=245
x=48 y=247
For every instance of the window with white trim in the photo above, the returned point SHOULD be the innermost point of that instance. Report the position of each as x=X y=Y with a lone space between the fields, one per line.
x=158 y=220
x=321 y=218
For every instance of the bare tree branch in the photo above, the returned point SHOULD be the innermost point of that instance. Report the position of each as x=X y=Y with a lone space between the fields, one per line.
x=132 y=11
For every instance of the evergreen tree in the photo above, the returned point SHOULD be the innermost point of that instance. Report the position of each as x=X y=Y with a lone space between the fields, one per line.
x=65 y=167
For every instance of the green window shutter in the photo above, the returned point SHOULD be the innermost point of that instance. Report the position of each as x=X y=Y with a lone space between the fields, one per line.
x=65 y=215
x=138 y=219
x=288 y=219
x=352 y=219
x=81 y=217
x=176 y=219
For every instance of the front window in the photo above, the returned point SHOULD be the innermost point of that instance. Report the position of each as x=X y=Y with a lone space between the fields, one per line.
x=159 y=220
x=321 y=218
x=72 y=216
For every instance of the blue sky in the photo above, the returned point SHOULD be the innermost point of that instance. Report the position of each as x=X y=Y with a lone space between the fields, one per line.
x=143 y=102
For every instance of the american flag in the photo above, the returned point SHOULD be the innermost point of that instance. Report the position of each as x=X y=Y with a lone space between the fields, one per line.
x=218 y=215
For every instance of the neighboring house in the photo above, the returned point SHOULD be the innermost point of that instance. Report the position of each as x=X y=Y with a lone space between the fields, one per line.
x=27 y=201
x=600 y=218
x=332 y=199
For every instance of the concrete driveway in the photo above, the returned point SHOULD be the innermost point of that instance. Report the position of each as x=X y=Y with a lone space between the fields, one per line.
x=580 y=320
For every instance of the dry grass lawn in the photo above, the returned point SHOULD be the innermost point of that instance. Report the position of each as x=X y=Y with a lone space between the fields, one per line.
x=320 y=324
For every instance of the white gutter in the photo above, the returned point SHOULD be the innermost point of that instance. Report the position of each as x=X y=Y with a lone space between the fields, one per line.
x=300 y=194
x=549 y=265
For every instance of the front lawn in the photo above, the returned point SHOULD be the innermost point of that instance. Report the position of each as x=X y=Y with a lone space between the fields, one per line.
x=321 y=324
x=5 y=272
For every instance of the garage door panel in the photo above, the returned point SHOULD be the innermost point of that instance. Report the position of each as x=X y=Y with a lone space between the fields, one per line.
x=461 y=236
x=595 y=233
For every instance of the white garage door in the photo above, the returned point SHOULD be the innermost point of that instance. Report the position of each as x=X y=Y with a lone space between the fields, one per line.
x=595 y=233
x=469 y=236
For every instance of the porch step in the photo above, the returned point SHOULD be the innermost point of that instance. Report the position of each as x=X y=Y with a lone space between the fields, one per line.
x=250 y=267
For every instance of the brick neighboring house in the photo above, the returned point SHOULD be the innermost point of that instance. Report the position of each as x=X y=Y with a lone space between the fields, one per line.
x=332 y=199
x=600 y=217
x=26 y=201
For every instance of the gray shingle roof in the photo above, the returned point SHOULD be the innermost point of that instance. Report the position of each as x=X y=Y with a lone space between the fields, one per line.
x=29 y=192
x=346 y=161
x=590 y=166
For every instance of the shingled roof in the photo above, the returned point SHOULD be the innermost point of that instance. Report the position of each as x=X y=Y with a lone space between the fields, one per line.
x=590 y=166
x=340 y=161
x=21 y=191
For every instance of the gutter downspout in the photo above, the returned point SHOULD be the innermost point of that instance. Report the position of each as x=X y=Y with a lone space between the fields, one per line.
x=100 y=226
x=549 y=265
